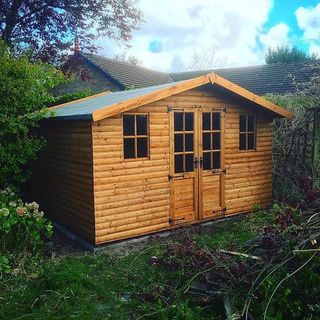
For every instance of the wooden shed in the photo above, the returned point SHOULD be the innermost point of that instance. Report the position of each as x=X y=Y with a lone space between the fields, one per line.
x=125 y=164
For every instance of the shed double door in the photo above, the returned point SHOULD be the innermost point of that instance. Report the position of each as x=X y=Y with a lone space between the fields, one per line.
x=196 y=164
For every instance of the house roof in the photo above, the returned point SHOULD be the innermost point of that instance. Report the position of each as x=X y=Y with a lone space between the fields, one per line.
x=107 y=104
x=263 y=79
x=128 y=75
x=277 y=78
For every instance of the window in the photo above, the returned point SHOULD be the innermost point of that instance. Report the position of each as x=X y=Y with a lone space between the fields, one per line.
x=135 y=136
x=211 y=140
x=183 y=142
x=247 y=136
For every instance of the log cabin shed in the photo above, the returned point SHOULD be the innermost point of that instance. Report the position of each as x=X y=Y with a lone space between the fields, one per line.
x=125 y=164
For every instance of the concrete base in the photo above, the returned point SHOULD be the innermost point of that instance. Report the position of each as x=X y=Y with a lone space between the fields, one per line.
x=127 y=242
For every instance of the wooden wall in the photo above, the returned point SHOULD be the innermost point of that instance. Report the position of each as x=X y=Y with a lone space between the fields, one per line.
x=132 y=197
x=248 y=179
x=62 y=176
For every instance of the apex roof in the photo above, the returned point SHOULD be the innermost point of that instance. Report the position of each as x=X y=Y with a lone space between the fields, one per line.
x=107 y=104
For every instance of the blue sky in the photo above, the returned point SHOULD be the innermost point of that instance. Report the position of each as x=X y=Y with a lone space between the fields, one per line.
x=230 y=32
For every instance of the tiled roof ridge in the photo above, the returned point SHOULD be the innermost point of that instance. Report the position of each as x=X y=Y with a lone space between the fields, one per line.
x=293 y=63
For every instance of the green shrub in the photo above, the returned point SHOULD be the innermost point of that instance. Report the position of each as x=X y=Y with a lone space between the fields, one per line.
x=296 y=298
x=22 y=228
x=67 y=97
x=24 y=94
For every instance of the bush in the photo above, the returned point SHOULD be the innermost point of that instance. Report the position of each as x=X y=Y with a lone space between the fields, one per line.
x=24 y=94
x=22 y=229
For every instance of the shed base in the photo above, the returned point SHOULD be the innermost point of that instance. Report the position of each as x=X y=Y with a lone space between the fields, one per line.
x=126 y=242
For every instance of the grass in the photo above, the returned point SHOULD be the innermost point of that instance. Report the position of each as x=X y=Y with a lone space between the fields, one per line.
x=114 y=284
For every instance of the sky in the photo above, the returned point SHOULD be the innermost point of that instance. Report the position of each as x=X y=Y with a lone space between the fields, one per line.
x=231 y=32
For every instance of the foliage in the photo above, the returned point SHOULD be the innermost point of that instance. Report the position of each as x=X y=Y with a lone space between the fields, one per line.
x=22 y=229
x=298 y=298
x=286 y=54
x=254 y=277
x=67 y=97
x=24 y=92
x=294 y=140
x=159 y=279
x=48 y=27
x=110 y=285
x=208 y=58
x=135 y=61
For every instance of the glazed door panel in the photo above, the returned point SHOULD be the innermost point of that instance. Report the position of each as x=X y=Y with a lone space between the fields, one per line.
x=183 y=169
x=211 y=175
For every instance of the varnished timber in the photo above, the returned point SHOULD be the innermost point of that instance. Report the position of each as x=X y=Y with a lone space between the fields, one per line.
x=63 y=176
x=135 y=197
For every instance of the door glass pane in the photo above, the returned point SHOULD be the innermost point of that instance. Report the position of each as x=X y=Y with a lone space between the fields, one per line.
x=243 y=123
x=207 y=161
x=250 y=140
x=142 y=147
x=178 y=121
x=206 y=141
x=216 y=160
x=142 y=125
x=250 y=122
x=189 y=121
x=216 y=140
x=178 y=142
x=178 y=163
x=129 y=148
x=242 y=142
x=216 y=121
x=189 y=162
x=206 y=121
x=128 y=125
x=189 y=142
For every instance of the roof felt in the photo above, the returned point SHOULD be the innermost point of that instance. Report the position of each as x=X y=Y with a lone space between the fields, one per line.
x=84 y=108
x=106 y=104
x=272 y=78
x=129 y=75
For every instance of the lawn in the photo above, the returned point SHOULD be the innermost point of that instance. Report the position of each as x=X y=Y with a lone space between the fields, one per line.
x=120 y=282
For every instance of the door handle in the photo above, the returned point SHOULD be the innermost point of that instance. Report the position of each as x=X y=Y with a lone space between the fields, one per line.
x=201 y=162
x=195 y=163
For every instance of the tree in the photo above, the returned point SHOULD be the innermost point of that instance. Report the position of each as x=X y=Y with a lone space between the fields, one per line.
x=286 y=54
x=48 y=27
x=128 y=59
x=205 y=59
x=24 y=92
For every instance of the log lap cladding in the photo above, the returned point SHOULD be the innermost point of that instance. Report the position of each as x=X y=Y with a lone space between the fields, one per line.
x=125 y=164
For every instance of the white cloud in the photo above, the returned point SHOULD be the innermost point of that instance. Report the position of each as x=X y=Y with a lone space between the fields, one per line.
x=276 y=36
x=309 y=22
x=314 y=49
x=184 y=26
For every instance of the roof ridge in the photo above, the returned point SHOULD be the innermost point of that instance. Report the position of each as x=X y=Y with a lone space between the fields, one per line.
x=293 y=63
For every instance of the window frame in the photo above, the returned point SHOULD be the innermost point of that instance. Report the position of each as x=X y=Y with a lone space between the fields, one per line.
x=246 y=133
x=136 y=136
